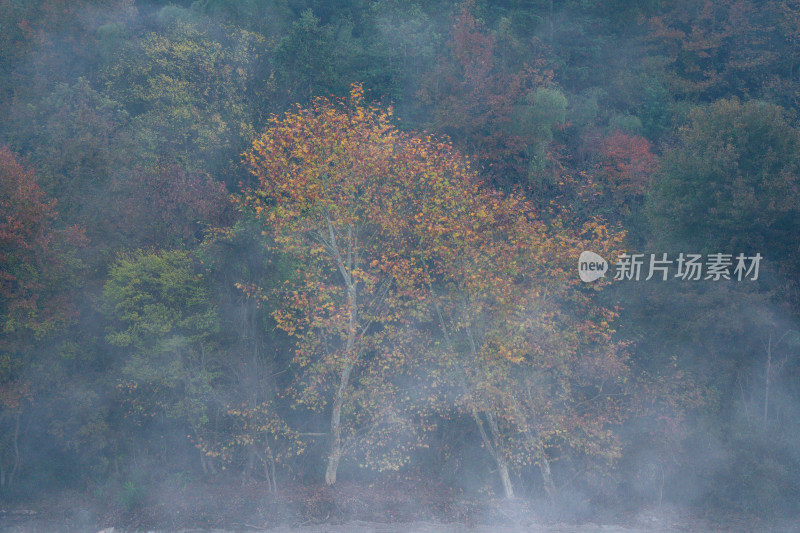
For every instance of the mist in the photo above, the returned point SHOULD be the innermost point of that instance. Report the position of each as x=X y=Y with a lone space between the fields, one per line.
x=309 y=266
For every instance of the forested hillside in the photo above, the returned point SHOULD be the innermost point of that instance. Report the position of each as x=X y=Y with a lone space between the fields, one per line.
x=305 y=250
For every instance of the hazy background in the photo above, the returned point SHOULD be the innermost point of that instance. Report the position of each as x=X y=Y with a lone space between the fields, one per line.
x=135 y=368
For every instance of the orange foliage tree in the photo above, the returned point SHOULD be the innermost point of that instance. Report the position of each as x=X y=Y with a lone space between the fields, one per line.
x=411 y=271
x=525 y=352
x=328 y=189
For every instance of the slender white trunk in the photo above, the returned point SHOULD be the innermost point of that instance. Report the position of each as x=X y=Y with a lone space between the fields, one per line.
x=502 y=464
x=494 y=446
x=345 y=265
x=535 y=440
x=508 y=489
x=335 y=453
x=544 y=468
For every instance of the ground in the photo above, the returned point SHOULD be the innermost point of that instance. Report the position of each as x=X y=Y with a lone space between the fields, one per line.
x=233 y=507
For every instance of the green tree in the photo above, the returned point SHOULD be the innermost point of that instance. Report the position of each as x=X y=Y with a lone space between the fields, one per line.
x=315 y=59
x=185 y=88
x=163 y=323
x=730 y=184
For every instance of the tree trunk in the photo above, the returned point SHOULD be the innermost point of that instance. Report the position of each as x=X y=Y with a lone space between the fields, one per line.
x=502 y=464
x=335 y=453
x=535 y=440
x=493 y=445
x=544 y=468
x=766 y=384
x=208 y=465
x=17 y=456
x=247 y=472
x=502 y=468
x=333 y=463
x=273 y=474
x=345 y=265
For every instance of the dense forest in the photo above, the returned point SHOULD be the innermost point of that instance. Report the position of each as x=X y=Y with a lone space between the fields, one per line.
x=301 y=246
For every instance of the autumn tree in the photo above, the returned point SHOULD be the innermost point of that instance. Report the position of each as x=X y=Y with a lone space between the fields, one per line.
x=163 y=205
x=79 y=140
x=392 y=230
x=536 y=380
x=328 y=191
x=500 y=116
x=50 y=42
x=37 y=265
x=613 y=178
x=729 y=48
